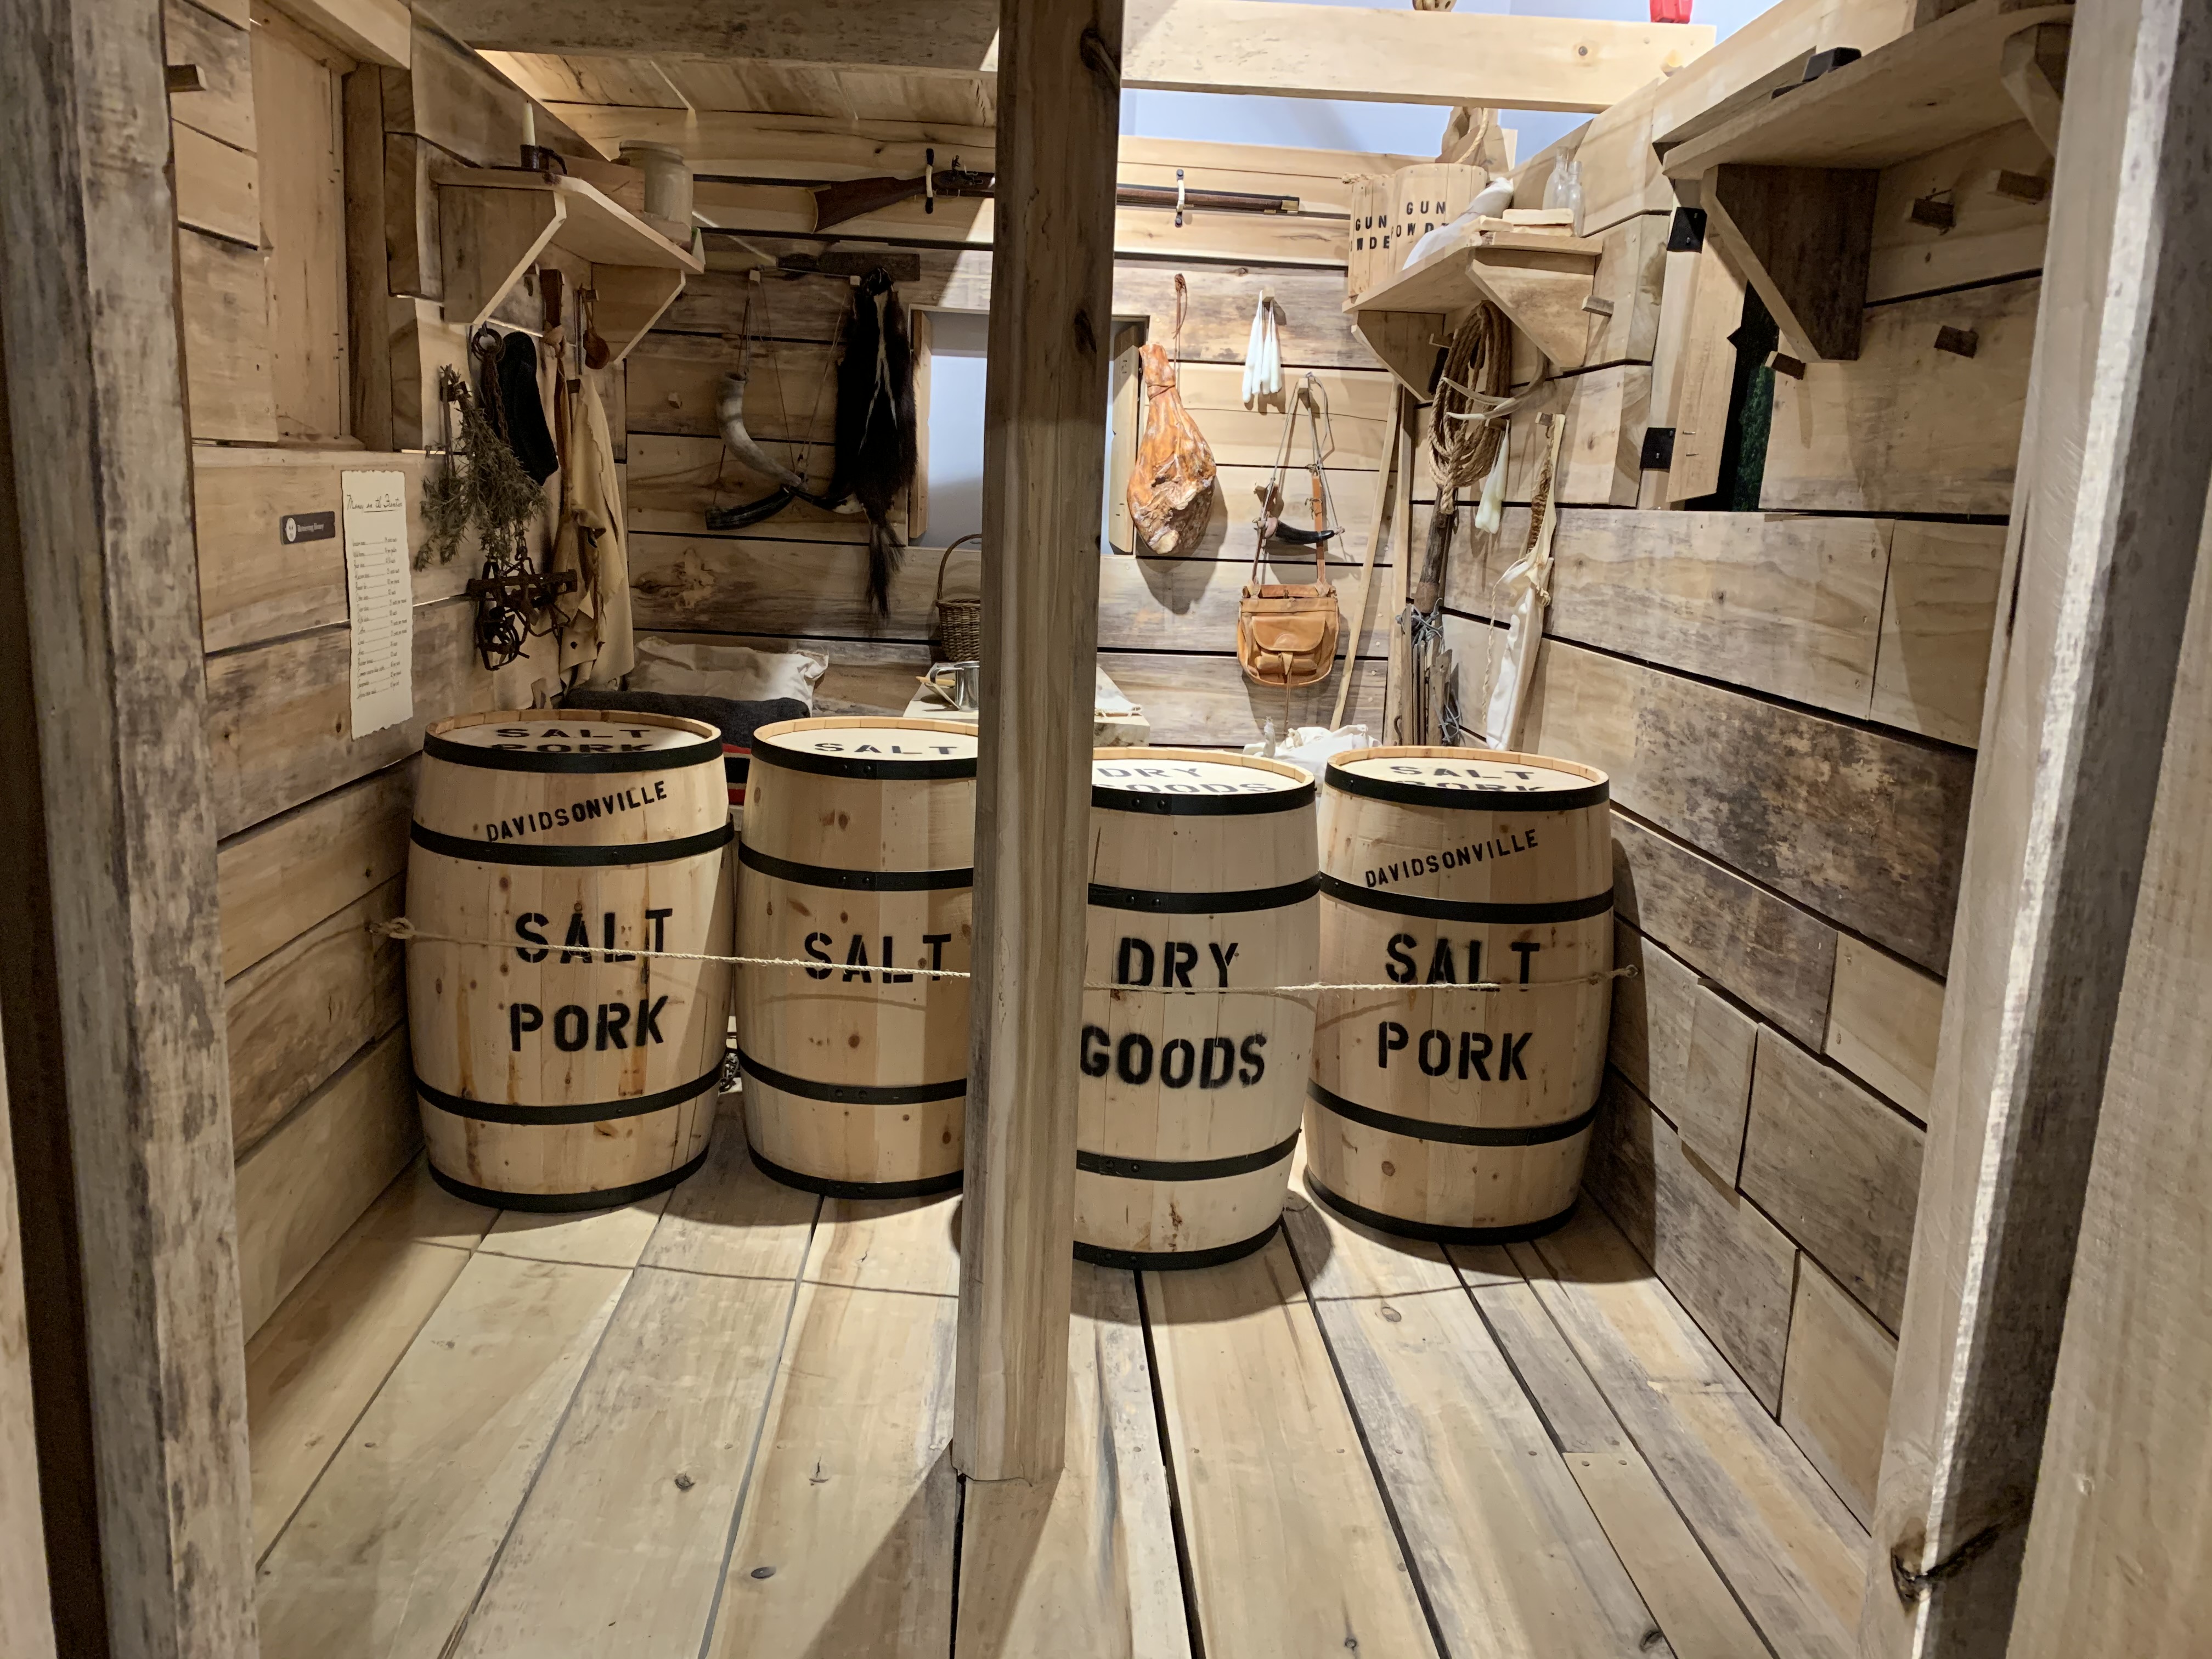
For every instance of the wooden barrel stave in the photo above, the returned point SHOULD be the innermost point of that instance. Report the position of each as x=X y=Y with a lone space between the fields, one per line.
x=1495 y=1091
x=1144 y=1138
x=855 y=1085
x=492 y=1030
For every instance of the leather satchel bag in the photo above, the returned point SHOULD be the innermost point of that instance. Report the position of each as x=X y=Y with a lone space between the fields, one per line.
x=1287 y=632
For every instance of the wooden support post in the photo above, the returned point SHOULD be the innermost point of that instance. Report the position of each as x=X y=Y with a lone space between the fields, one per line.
x=110 y=988
x=1044 y=445
x=1803 y=237
x=26 y=1627
x=2116 y=459
x=369 y=332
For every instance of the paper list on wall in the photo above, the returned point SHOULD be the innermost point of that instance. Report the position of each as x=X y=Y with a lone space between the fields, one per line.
x=379 y=599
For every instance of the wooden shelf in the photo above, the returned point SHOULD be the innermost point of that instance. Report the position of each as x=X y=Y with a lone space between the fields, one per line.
x=496 y=221
x=1789 y=185
x=1540 y=279
x=1938 y=84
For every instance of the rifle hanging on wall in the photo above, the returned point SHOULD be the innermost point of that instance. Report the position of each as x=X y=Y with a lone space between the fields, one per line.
x=849 y=198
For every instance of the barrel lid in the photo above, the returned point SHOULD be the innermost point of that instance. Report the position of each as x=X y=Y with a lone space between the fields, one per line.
x=914 y=750
x=1496 y=780
x=573 y=740
x=1196 y=783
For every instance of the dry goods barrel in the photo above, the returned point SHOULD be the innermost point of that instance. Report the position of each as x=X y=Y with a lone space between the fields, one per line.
x=1437 y=1111
x=560 y=1069
x=859 y=853
x=1203 y=874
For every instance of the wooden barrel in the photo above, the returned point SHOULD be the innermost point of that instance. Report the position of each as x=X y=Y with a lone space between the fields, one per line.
x=564 y=1072
x=859 y=852
x=1203 y=877
x=1438 y=1112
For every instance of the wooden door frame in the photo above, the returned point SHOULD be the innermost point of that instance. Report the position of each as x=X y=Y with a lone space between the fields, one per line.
x=110 y=988
x=2115 y=458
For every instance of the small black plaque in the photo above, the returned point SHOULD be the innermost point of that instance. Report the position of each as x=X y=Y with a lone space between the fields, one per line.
x=307 y=527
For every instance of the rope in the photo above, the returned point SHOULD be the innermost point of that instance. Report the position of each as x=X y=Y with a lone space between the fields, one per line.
x=407 y=933
x=1468 y=423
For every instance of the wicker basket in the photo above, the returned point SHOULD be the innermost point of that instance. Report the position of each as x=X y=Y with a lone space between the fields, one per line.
x=959 y=622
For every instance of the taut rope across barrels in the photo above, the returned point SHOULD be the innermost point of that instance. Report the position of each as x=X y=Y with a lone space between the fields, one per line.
x=407 y=933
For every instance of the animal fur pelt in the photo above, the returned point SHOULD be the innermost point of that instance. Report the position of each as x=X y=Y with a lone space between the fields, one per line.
x=876 y=439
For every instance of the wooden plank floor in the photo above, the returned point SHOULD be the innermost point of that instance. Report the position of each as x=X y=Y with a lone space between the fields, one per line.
x=716 y=1426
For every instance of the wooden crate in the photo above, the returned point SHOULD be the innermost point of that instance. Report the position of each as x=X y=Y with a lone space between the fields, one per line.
x=1368 y=263
x=1424 y=196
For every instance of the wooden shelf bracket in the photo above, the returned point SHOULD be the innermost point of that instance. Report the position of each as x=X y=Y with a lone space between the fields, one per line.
x=490 y=238
x=1803 y=237
x=494 y=222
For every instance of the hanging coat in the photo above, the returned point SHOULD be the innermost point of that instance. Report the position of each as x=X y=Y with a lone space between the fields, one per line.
x=1171 y=486
x=596 y=645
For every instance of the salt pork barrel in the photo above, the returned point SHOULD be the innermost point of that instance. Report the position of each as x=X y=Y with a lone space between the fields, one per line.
x=1203 y=877
x=859 y=853
x=562 y=1070
x=1439 y=1112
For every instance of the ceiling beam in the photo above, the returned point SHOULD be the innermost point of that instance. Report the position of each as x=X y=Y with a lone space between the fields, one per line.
x=1265 y=46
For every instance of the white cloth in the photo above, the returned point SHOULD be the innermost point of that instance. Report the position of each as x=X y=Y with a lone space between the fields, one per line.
x=1528 y=585
x=1263 y=359
x=736 y=672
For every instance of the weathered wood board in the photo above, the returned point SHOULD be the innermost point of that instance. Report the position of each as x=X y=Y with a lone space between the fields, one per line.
x=279 y=714
x=428 y=1481
x=619 y=1545
x=218 y=188
x=1290 y=1544
x=223 y=296
x=846 y=1541
x=1601 y=458
x=298 y=112
x=1907 y=427
x=699 y=584
x=277 y=878
x=1860 y=826
x=1835 y=1389
x=1729 y=1267
x=1775 y=956
x=301 y=1013
x=220 y=50
x=1970 y=212
x=1883 y=1023
x=311 y=1178
x=1699 y=1616
x=314 y=1366
x=1685 y=1047
x=1512 y=1561
x=1084 y=1567
x=1784 y=605
x=254 y=584
x=1788 y=1546
x=1836 y=1168
x=1937 y=614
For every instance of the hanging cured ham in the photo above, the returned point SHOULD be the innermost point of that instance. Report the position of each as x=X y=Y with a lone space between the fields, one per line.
x=1171 y=486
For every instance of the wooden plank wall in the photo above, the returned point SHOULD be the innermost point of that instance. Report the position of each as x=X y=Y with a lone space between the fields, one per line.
x=313 y=822
x=1167 y=626
x=1787 y=701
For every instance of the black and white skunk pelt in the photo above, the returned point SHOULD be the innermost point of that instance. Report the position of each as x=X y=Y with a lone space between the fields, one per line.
x=875 y=438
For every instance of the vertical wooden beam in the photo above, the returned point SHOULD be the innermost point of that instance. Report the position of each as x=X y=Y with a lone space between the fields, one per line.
x=2116 y=457
x=369 y=332
x=110 y=988
x=1044 y=446
x=27 y=1626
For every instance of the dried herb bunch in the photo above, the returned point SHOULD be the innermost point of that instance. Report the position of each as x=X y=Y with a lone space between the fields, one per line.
x=481 y=488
